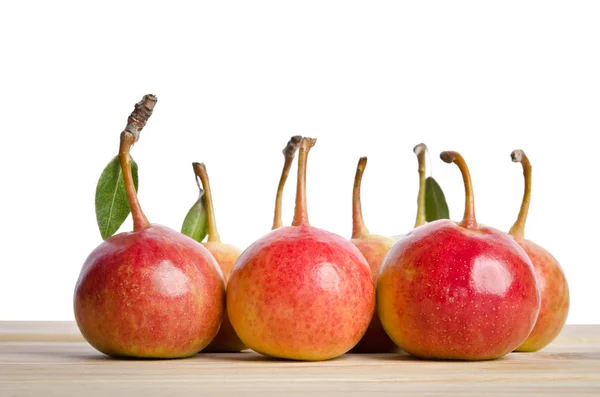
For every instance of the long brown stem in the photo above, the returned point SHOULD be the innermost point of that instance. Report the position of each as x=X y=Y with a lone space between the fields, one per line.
x=301 y=210
x=135 y=123
x=359 y=229
x=213 y=233
x=288 y=152
x=518 y=229
x=139 y=219
x=420 y=150
x=469 y=221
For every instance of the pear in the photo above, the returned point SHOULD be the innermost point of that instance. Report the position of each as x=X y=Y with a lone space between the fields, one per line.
x=554 y=290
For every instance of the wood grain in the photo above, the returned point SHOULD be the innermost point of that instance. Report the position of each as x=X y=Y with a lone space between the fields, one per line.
x=39 y=331
x=571 y=365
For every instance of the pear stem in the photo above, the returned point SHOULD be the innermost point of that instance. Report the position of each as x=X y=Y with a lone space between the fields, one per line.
x=289 y=152
x=213 y=233
x=518 y=229
x=139 y=219
x=420 y=150
x=359 y=229
x=135 y=123
x=301 y=210
x=469 y=221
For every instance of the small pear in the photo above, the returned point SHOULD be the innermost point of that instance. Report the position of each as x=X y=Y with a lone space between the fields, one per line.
x=554 y=290
x=374 y=248
x=225 y=255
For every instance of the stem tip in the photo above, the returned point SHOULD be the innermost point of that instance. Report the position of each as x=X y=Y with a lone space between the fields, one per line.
x=448 y=157
x=517 y=155
x=307 y=143
x=292 y=146
x=420 y=148
x=362 y=163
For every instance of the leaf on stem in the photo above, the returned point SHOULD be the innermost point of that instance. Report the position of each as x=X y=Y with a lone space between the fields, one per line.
x=195 y=224
x=112 y=206
x=435 y=201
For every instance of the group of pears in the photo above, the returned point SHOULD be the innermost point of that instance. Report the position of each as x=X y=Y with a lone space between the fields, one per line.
x=445 y=290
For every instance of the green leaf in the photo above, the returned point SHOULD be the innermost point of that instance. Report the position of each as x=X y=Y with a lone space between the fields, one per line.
x=435 y=201
x=195 y=224
x=112 y=206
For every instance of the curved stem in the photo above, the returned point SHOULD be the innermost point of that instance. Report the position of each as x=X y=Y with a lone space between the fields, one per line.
x=139 y=219
x=213 y=233
x=359 y=229
x=469 y=221
x=301 y=210
x=288 y=152
x=518 y=229
x=420 y=150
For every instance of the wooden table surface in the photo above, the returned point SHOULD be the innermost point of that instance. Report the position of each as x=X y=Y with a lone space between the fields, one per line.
x=50 y=359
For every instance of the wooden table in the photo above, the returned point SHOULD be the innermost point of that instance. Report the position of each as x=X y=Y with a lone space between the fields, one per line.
x=49 y=359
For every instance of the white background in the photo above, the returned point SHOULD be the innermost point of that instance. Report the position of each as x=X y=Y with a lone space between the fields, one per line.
x=236 y=79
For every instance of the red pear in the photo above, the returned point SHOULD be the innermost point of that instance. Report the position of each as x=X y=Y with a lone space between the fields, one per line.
x=301 y=292
x=374 y=248
x=554 y=290
x=153 y=292
x=457 y=290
